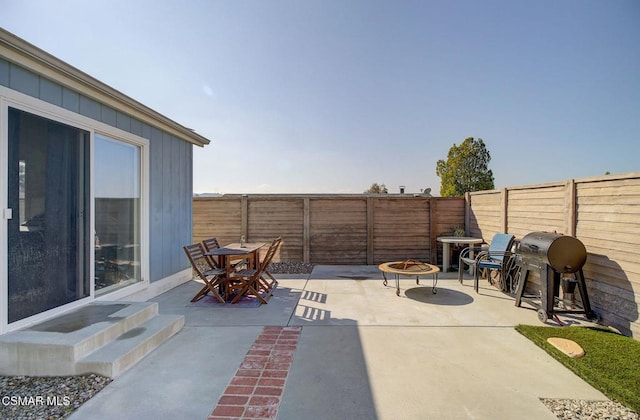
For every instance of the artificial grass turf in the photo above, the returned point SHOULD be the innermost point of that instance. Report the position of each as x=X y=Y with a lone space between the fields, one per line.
x=611 y=362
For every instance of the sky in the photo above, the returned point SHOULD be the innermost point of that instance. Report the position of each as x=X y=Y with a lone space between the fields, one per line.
x=311 y=96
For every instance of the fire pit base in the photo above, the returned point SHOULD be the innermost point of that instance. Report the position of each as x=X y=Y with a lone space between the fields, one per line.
x=409 y=268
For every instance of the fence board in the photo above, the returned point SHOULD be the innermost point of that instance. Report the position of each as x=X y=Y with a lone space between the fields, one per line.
x=338 y=231
x=604 y=213
x=486 y=214
x=219 y=218
x=401 y=229
x=332 y=229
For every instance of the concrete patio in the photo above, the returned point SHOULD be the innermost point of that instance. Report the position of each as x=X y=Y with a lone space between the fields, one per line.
x=362 y=353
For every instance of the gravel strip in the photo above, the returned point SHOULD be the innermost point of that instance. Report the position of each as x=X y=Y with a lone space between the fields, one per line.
x=52 y=397
x=24 y=397
x=290 y=268
x=581 y=409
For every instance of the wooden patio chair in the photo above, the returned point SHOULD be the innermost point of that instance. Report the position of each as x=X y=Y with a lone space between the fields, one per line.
x=493 y=258
x=252 y=281
x=273 y=283
x=212 y=275
x=267 y=284
x=210 y=244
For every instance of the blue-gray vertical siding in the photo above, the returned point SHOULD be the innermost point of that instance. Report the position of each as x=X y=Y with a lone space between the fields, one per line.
x=170 y=172
x=170 y=203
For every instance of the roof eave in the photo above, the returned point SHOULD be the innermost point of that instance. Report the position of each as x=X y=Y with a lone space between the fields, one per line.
x=39 y=61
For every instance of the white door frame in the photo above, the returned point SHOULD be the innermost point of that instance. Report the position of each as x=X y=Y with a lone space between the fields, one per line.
x=14 y=99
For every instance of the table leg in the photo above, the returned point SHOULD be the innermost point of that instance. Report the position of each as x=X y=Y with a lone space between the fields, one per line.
x=445 y=257
x=397 y=284
x=226 y=259
x=254 y=260
x=471 y=255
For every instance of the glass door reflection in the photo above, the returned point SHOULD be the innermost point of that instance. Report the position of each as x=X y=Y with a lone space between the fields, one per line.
x=117 y=214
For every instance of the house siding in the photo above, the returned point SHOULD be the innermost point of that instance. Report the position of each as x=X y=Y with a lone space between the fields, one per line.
x=170 y=172
x=4 y=73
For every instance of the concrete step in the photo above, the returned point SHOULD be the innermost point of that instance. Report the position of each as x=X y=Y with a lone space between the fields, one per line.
x=53 y=347
x=117 y=356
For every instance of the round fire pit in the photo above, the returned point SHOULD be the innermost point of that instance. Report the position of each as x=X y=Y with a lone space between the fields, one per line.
x=409 y=268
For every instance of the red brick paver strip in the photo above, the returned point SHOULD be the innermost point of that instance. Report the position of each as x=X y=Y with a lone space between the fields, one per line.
x=255 y=392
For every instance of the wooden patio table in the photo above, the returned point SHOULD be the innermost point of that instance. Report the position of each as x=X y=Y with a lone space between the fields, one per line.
x=226 y=254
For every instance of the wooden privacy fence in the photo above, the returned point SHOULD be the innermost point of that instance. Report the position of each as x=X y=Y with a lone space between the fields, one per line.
x=332 y=229
x=603 y=212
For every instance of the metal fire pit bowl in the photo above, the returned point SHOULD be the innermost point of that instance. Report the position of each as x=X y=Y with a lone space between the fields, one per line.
x=409 y=268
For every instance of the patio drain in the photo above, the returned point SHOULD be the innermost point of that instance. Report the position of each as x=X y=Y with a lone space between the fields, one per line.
x=256 y=389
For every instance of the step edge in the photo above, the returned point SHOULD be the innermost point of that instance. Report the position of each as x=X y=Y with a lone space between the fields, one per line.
x=112 y=367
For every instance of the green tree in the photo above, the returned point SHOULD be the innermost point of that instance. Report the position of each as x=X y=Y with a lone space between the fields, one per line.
x=466 y=169
x=376 y=188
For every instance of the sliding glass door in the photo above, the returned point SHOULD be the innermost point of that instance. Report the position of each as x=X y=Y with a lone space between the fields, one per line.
x=48 y=232
x=74 y=215
x=117 y=214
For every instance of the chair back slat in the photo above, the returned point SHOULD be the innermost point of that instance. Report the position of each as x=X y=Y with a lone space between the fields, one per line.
x=209 y=245
x=199 y=262
x=271 y=252
x=500 y=245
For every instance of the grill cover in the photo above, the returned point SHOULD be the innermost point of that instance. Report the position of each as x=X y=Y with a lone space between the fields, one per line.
x=565 y=254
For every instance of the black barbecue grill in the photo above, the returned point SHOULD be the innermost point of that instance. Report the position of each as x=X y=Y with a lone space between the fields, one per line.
x=559 y=260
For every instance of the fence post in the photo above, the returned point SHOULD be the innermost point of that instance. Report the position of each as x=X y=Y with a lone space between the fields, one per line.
x=504 y=205
x=370 y=222
x=244 y=216
x=306 y=234
x=570 y=209
x=433 y=229
x=467 y=214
